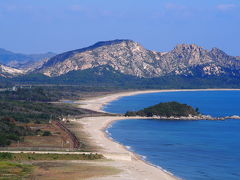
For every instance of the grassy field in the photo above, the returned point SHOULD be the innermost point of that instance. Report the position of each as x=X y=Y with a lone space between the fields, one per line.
x=14 y=171
x=52 y=166
x=70 y=170
x=53 y=170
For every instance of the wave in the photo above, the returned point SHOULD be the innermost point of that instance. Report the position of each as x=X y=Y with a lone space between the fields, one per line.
x=129 y=148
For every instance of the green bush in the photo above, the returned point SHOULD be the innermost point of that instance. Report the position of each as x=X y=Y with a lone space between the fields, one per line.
x=6 y=156
x=130 y=113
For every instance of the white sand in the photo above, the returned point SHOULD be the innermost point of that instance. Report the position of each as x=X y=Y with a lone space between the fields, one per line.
x=95 y=128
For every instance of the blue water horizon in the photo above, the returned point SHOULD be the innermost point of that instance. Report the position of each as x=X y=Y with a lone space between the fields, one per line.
x=191 y=150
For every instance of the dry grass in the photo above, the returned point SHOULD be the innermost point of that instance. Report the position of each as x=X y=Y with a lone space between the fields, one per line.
x=59 y=139
x=68 y=170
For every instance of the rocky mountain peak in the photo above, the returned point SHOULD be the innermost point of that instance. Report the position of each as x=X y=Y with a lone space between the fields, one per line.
x=112 y=42
x=187 y=47
x=224 y=59
x=187 y=55
x=131 y=58
x=217 y=52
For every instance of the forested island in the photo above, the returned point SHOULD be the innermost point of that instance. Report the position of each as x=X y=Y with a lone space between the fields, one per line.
x=167 y=109
x=175 y=110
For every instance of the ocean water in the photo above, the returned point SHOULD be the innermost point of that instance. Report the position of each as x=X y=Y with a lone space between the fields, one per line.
x=192 y=150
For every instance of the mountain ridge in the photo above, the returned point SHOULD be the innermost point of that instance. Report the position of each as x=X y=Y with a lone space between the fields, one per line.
x=71 y=53
x=132 y=58
x=127 y=64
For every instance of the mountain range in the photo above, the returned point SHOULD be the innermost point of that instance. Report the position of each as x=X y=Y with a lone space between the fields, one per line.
x=126 y=60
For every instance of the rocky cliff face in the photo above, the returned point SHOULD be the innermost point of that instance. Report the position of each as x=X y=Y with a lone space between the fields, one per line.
x=129 y=57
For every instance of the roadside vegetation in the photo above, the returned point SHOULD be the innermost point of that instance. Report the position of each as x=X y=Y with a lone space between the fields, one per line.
x=48 y=156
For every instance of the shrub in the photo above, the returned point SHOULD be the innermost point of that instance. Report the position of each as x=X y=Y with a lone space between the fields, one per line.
x=46 y=133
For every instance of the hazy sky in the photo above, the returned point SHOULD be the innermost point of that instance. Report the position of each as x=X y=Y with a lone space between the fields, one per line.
x=32 y=26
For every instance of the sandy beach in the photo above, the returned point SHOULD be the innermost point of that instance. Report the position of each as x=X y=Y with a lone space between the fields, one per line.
x=131 y=166
x=95 y=127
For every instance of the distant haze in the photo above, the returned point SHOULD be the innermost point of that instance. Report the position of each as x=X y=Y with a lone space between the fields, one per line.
x=38 y=26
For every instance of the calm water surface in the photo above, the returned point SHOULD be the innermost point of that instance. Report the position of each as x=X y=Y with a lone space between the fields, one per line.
x=192 y=150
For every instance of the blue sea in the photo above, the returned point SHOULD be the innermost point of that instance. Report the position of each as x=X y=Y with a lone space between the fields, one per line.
x=191 y=150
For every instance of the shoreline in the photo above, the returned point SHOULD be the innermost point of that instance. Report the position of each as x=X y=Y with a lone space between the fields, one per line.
x=135 y=155
x=97 y=127
x=133 y=166
x=98 y=103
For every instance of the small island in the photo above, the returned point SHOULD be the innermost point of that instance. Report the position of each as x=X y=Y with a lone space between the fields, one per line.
x=175 y=111
x=168 y=109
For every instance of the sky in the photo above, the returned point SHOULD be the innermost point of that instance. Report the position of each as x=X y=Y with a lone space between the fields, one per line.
x=35 y=26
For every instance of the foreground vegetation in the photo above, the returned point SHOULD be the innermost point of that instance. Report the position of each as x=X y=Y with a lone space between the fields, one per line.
x=62 y=170
x=49 y=166
x=47 y=156
x=166 y=109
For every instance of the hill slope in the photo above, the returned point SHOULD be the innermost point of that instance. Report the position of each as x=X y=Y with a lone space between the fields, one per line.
x=8 y=72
